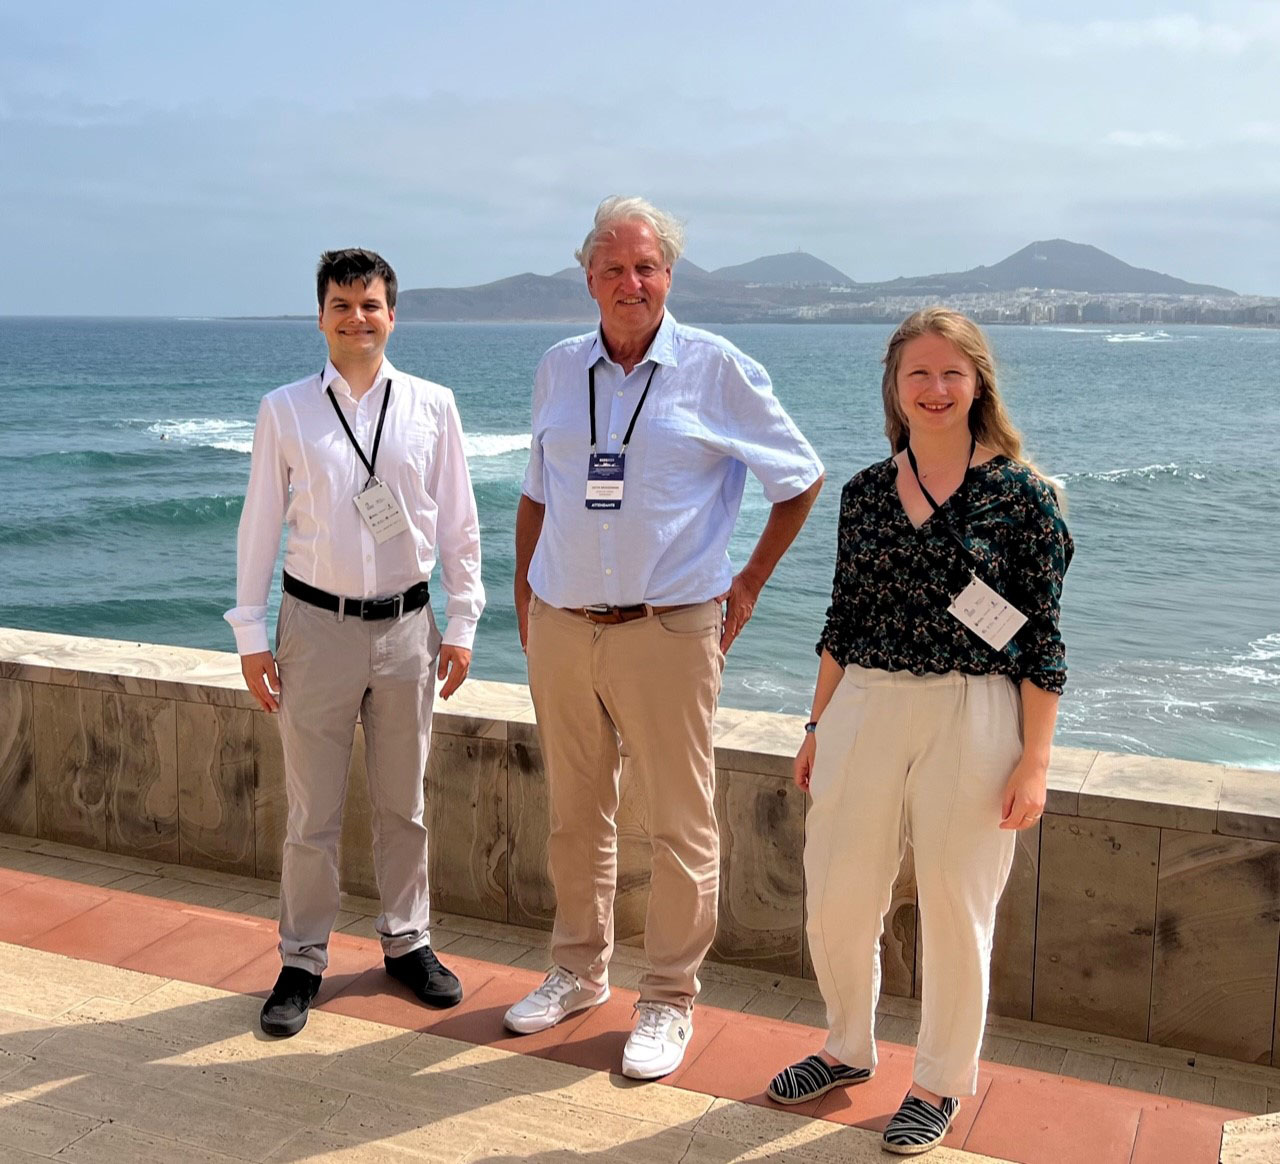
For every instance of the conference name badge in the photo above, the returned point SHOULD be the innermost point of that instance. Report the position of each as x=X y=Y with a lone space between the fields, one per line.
x=994 y=620
x=604 y=480
x=380 y=510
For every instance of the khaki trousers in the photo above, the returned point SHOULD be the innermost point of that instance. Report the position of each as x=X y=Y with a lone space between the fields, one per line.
x=330 y=671
x=651 y=686
x=921 y=759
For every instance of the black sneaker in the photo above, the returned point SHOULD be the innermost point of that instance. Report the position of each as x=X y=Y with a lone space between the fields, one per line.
x=285 y=1012
x=422 y=972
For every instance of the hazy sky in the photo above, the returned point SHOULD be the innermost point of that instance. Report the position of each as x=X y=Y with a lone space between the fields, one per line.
x=176 y=158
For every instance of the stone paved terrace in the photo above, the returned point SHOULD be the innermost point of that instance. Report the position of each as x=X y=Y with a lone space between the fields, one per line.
x=1142 y=906
x=129 y=991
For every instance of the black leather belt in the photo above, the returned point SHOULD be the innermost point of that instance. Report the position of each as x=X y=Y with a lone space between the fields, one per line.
x=369 y=609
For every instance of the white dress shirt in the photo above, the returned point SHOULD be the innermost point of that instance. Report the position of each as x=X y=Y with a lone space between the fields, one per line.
x=305 y=474
x=709 y=417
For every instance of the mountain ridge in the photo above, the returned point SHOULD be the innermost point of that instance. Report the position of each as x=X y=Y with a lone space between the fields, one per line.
x=768 y=287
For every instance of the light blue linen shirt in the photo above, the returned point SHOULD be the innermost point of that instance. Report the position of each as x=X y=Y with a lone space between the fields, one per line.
x=709 y=417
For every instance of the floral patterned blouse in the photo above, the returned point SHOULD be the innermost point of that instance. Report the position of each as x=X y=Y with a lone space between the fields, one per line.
x=894 y=581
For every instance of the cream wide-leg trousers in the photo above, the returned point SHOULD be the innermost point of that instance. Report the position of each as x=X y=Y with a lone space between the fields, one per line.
x=923 y=760
x=330 y=671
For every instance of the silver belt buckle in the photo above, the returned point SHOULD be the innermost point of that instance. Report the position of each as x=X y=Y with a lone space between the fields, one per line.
x=397 y=606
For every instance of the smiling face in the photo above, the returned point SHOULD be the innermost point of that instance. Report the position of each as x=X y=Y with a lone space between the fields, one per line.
x=356 y=320
x=629 y=278
x=937 y=384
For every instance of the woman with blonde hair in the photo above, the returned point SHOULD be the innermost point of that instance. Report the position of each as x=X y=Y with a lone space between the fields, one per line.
x=936 y=698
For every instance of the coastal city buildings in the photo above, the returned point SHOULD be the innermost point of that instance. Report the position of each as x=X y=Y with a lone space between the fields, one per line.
x=1034 y=305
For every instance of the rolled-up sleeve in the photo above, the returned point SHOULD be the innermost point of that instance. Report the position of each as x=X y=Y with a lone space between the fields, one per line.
x=758 y=431
x=457 y=530
x=258 y=539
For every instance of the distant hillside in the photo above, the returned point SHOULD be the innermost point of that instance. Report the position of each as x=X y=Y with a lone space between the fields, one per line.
x=795 y=267
x=792 y=286
x=1059 y=264
x=520 y=297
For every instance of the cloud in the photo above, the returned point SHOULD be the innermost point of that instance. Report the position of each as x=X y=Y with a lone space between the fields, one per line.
x=1255 y=28
x=1257 y=133
x=1151 y=139
x=459 y=191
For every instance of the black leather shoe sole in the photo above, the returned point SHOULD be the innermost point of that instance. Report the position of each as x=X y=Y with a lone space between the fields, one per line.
x=449 y=995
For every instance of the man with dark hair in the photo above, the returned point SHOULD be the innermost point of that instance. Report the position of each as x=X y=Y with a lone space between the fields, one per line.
x=365 y=467
x=354 y=265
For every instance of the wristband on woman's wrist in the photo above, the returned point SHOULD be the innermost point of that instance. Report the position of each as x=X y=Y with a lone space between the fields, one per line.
x=811 y=727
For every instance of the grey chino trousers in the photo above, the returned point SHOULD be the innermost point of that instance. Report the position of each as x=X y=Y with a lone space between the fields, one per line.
x=330 y=672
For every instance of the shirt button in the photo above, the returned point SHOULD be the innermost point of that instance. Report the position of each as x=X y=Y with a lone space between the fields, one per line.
x=613 y=436
x=619 y=391
x=606 y=525
x=608 y=570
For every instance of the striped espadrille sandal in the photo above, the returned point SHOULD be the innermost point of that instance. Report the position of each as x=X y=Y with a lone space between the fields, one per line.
x=812 y=1077
x=918 y=1126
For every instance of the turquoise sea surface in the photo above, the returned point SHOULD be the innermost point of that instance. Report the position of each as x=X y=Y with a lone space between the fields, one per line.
x=124 y=453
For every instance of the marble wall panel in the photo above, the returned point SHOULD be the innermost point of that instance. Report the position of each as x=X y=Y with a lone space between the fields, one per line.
x=1096 y=924
x=215 y=787
x=1068 y=770
x=1014 y=953
x=270 y=808
x=758 y=741
x=1249 y=804
x=761 y=872
x=74 y=759
x=1217 y=935
x=899 y=943
x=467 y=820
x=1152 y=790
x=17 y=759
x=531 y=901
x=142 y=793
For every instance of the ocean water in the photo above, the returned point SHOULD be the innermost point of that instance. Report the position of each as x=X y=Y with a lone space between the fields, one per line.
x=124 y=456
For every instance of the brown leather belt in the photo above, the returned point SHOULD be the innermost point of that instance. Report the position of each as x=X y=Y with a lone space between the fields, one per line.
x=612 y=615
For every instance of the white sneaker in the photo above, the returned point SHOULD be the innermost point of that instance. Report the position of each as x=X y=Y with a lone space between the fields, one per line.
x=558 y=997
x=656 y=1046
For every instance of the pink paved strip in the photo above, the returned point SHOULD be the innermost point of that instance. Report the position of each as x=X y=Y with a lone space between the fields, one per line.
x=1018 y=1115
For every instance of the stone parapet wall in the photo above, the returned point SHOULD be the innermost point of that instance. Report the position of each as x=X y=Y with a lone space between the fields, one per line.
x=1145 y=905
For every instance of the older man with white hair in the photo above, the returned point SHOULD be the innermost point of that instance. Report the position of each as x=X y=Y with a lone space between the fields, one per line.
x=643 y=432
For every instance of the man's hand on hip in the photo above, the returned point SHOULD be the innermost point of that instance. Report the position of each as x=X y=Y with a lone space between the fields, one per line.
x=263 y=678
x=740 y=604
x=455 y=662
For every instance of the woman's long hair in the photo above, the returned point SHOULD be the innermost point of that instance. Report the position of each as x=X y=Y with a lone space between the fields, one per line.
x=988 y=420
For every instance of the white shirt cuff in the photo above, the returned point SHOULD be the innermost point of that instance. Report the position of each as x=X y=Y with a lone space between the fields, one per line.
x=460 y=632
x=251 y=639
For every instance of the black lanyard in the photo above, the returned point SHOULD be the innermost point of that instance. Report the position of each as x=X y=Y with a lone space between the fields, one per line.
x=372 y=458
x=591 y=387
x=951 y=530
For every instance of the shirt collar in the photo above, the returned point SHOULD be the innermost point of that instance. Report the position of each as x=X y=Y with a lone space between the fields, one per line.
x=661 y=351
x=331 y=375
